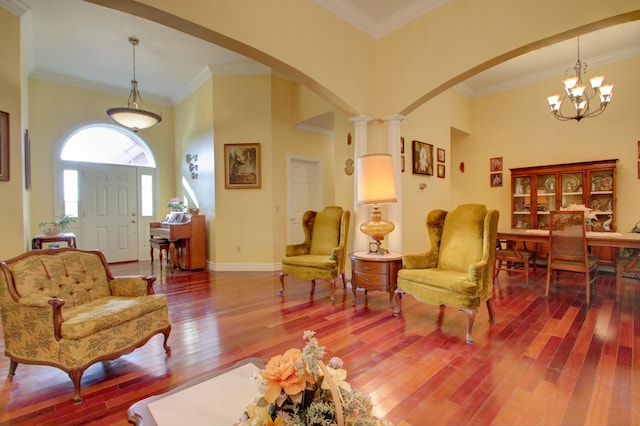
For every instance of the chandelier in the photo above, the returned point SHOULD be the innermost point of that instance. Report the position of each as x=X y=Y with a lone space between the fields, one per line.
x=133 y=116
x=586 y=100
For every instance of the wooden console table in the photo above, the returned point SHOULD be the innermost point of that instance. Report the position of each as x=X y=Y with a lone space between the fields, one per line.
x=374 y=272
x=66 y=237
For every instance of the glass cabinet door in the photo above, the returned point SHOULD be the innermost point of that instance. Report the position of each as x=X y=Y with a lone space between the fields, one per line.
x=545 y=199
x=572 y=190
x=601 y=199
x=521 y=202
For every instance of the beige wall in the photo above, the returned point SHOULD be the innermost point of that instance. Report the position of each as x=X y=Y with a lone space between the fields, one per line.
x=392 y=75
x=194 y=136
x=12 y=192
x=517 y=126
x=356 y=74
x=55 y=111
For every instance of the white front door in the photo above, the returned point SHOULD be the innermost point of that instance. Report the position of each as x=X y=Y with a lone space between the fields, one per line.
x=110 y=213
x=304 y=193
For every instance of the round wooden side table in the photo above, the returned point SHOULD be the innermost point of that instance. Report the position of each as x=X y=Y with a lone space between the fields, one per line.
x=374 y=272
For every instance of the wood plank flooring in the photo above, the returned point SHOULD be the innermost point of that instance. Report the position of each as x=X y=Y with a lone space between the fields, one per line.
x=545 y=361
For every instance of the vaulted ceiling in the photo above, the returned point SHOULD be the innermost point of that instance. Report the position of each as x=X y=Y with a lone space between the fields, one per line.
x=82 y=44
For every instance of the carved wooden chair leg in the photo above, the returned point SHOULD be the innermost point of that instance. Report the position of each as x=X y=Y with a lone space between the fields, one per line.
x=344 y=282
x=313 y=286
x=12 y=368
x=332 y=291
x=76 y=377
x=167 y=348
x=396 y=307
x=281 y=291
x=471 y=317
x=492 y=312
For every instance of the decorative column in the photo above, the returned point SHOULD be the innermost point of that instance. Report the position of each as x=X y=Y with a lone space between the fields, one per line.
x=394 y=211
x=361 y=213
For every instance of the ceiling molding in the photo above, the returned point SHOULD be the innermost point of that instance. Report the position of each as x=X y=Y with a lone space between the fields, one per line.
x=395 y=15
x=16 y=7
x=108 y=89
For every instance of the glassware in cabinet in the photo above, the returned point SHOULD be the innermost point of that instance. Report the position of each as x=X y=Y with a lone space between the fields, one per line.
x=521 y=200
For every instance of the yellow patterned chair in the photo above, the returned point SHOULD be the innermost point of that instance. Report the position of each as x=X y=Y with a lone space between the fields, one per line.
x=323 y=254
x=63 y=308
x=458 y=268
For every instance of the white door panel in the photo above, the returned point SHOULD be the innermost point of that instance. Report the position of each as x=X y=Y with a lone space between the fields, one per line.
x=109 y=198
x=304 y=194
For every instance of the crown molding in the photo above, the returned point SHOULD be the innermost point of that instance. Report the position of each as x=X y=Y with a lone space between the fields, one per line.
x=16 y=7
x=108 y=89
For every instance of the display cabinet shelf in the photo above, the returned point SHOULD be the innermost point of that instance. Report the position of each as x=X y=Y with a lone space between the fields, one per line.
x=535 y=191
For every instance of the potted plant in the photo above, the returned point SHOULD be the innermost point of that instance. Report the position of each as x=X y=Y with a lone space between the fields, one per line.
x=56 y=226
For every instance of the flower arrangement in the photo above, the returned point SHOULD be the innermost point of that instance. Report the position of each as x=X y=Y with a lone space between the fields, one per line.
x=299 y=389
x=59 y=224
x=176 y=205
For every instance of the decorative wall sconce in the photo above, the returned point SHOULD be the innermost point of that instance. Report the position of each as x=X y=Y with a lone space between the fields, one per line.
x=193 y=167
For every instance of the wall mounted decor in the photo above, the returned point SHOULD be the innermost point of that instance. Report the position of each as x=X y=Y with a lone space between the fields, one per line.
x=27 y=160
x=441 y=171
x=4 y=146
x=495 y=164
x=193 y=167
x=441 y=155
x=496 y=179
x=422 y=158
x=401 y=145
x=242 y=166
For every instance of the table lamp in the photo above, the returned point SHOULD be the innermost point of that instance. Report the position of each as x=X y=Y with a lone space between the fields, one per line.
x=374 y=186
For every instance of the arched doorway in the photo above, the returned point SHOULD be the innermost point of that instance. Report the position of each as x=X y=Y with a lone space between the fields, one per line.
x=107 y=176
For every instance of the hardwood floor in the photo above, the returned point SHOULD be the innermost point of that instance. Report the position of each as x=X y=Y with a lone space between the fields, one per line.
x=545 y=361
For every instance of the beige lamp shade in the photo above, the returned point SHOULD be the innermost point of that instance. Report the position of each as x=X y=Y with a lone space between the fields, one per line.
x=374 y=179
x=375 y=185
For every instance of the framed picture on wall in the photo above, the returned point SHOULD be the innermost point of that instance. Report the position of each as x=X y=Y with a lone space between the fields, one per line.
x=440 y=155
x=496 y=179
x=496 y=164
x=242 y=166
x=4 y=146
x=422 y=158
x=441 y=171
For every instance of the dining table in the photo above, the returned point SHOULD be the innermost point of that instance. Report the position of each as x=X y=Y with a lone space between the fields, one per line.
x=629 y=264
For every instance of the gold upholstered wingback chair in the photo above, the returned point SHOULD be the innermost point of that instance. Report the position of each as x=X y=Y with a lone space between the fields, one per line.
x=323 y=254
x=458 y=268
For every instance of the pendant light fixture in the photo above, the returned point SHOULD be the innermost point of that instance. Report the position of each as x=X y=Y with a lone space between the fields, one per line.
x=585 y=100
x=134 y=116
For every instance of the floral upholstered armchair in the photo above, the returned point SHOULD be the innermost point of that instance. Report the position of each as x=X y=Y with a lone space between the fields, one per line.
x=323 y=254
x=63 y=308
x=458 y=268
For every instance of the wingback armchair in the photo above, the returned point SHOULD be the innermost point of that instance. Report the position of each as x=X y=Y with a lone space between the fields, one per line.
x=323 y=254
x=458 y=268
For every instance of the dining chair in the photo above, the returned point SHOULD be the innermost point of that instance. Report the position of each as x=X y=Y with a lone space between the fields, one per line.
x=511 y=258
x=568 y=250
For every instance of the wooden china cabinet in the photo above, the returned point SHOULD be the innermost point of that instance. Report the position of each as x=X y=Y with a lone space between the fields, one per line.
x=537 y=190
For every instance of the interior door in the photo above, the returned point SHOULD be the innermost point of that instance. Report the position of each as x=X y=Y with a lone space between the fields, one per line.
x=109 y=210
x=304 y=193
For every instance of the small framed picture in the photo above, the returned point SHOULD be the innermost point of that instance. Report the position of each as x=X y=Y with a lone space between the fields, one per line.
x=242 y=166
x=441 y=171
x=4 y=146
x=422 y=158
x=440 y=155
x=496 y=164
x=496 y=179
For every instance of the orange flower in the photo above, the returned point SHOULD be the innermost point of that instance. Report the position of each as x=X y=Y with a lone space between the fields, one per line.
x=281 y=373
